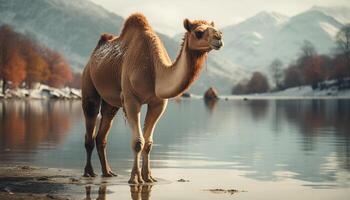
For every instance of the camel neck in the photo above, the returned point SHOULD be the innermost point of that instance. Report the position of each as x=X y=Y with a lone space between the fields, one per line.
x=174 y=79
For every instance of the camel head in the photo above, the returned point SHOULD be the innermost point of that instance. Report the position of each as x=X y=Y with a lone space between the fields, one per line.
x=202 y=35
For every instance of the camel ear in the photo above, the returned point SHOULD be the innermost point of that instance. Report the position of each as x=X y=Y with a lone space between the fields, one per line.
x=187 y=24
x=212 y=23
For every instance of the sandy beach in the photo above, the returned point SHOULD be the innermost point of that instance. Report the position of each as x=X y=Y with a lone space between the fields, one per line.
x=27 y=182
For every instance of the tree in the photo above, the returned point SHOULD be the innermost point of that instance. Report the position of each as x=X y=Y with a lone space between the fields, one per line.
x=258 y=83
x=7 y=48
x=307 y=49
x=76 y=82
x=60 y=72
x=343 y=43
x=37 y=67
x=313 y=71
x=15 y=70
x=292 y=77
x=240 y=88
x=277 y=72
x=340 y=70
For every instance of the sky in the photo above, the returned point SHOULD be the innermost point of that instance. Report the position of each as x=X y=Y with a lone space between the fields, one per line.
x=166 y=16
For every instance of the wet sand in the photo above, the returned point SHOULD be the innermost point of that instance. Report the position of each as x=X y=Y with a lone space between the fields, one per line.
x=24 y=182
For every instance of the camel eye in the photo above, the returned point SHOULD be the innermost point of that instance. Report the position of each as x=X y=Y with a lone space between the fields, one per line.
x=199 y=34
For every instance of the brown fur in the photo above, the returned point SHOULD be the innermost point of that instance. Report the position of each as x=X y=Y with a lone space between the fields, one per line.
x=136 y=20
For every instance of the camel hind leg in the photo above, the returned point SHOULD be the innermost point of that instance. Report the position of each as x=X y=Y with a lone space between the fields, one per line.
x=91 y=105
x=107 y=112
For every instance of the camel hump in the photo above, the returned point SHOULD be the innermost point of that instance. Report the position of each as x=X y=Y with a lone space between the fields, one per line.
x=105 y=37
x=136 y=20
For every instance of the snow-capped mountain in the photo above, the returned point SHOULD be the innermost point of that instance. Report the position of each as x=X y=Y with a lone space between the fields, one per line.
x=255 y=42
x=341 y=14
x=256 y=27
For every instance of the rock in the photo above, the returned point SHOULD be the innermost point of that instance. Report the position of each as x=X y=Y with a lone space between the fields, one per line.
x=25 y=167
x=52 y=196
x=211 y=93
x=228 y=191
x=186 y=95
x=74 y=180
x=8 y=190
x=182 y=180
x=43 y=178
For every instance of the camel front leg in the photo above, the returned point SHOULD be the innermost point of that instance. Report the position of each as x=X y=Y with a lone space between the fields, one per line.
x=154 y=112
x=132 y=108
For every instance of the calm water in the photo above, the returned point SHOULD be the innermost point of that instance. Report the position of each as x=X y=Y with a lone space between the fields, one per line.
x=304 y=141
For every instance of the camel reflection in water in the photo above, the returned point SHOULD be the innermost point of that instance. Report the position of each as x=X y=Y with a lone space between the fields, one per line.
x=137 y=192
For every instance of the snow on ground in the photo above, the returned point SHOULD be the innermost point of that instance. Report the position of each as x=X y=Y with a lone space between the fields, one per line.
x=300 y=92
x=303 y=92
x=43 y=92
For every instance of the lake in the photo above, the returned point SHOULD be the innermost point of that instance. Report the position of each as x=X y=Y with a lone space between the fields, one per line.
x=268 y=149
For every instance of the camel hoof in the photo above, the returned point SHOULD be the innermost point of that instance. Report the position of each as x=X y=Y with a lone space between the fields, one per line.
x=149 y=179
x=136 y=181
x=89 y=172
x=153 y=179
x=109 y=174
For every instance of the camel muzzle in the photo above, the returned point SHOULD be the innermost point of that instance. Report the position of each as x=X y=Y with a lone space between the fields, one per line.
x=216 y=44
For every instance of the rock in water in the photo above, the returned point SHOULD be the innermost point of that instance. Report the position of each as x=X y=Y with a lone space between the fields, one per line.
x=211 y=93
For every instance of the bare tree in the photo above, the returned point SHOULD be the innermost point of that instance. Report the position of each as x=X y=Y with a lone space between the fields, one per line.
x=277 y=72
x=307 y=49
x=343 y=42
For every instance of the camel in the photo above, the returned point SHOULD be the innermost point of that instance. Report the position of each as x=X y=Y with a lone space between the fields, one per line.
x=133 y=69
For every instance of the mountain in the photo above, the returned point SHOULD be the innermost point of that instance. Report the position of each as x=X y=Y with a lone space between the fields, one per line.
x=74 y=27
x=70 y=27
x=255 y=42
x=341 y=14
x=256 y=27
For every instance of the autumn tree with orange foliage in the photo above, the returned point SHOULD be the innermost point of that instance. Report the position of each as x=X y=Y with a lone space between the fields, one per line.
x=61 y=74
x=37 y=67
x=8 y=46
x=15 y=70
x=76 y=82
x=24 y=60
